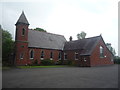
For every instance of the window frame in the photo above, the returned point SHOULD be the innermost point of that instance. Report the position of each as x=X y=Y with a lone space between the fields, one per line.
x=51 y=55
x=101 y=52
x=76 y=56
x=42 y=54
x=21 y=56
x=32 y=53
x=65 y=56
x=84 y=58
x=23 y=32
x=59 y=55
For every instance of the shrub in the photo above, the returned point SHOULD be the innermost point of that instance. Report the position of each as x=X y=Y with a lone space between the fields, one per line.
x=35 y=62
x=59 y=62
x=47 y=62
x=71 y=62
x=117 y=60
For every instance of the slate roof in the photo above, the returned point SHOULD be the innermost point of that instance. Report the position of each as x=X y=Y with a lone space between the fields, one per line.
x=22 y=19
x=39 y=39
x=85 y=45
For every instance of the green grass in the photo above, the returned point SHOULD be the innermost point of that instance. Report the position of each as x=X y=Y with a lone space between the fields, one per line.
x=52 y=66
x=5 y=68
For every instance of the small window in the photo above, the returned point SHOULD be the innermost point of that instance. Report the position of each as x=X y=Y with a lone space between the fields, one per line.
x=42 y=55
x=101 y=52
x=23 y=32
x=84 y=59
x=76 y=56
x=31 y=54
x=59 y=57
x=65 y=56
x=21 y=56
x=51 y=55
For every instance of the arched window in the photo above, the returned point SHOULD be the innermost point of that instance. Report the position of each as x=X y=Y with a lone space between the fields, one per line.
x=101 y=52
x=21 y=56
x=23 y=32
x=51 y=55
x=42 y=55
x=59 y=56
x=31 y=54
x=65 y=56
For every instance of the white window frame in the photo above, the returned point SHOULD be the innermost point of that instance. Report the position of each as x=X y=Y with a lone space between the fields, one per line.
x=52 y=55
x=84 y=59
x=75 y=56
x=101 y=52
x=30 y=54
x=41 y=55
x=21 y=55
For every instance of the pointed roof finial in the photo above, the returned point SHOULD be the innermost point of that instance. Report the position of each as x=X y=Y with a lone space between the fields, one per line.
x=22 y=19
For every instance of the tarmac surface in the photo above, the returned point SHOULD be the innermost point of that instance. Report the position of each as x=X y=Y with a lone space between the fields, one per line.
x=62 y=77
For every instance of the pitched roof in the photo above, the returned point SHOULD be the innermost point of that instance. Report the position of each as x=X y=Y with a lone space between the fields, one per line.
x=86 y=45
x=39 y=39
x=22 y=19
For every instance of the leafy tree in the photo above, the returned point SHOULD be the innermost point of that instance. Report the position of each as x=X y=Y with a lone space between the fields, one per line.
x=40 y=29
x=117 y=60
x=81 y=35
x=7 y=46
x=111 y=48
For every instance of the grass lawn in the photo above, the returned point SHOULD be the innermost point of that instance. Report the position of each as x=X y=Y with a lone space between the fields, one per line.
x=5 y=68
x=52 y=66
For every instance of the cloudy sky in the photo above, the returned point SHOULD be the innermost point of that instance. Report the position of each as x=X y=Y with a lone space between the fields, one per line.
x=65 y=17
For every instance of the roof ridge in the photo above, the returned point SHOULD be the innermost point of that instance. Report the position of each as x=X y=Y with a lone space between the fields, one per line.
x=85 y=38
x=46 y=32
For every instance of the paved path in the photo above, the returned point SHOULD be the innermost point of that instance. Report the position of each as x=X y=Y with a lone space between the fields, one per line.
x=63 y=77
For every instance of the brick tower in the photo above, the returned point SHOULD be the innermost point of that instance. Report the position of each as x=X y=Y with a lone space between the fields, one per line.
x=21 y=40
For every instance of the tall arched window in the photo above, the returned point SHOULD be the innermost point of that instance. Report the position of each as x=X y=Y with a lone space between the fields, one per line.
x=59 y=56
x=101 y=52
x=31 y=54
x=65 y=56
x=51 y=55
x=42 y=55
x=23 y=32
x=21 y=56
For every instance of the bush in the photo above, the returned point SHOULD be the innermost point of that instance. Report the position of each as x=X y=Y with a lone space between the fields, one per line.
x=71 y=62
x=35 y=62
x=117 y=60
x=59 y=62
x=47 y=62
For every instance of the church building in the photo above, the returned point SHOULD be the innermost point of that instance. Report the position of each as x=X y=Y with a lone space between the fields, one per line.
x=31 y=45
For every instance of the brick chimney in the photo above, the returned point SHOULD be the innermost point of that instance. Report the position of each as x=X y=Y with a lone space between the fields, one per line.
x=70 y=39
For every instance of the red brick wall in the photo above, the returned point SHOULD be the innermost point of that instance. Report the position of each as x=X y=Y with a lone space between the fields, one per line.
x=20 y=50
x=37 y=54
x=19 y=32
x=95 y=59
x=84 y=63
x=21 y=44
x=80 y=61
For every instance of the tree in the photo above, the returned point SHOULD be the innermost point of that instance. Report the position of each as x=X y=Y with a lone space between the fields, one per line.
x=40 y=29
x=7 y=46
x=81 y=35
x=111 y=48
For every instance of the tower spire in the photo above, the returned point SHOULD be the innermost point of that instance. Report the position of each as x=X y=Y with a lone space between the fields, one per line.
x=22 y=19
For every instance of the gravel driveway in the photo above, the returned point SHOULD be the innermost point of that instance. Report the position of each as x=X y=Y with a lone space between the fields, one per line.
x=62 y=77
